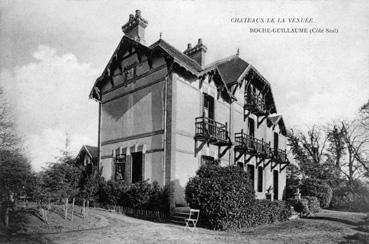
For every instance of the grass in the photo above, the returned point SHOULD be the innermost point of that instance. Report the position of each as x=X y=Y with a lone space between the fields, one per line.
x=324 y=227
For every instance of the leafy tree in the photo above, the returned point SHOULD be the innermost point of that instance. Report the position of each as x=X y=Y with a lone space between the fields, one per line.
x=89 y=185
x=62 y=180
x=15 y=169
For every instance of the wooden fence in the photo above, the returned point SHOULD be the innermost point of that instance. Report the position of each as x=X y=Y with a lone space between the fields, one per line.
x=153 y=215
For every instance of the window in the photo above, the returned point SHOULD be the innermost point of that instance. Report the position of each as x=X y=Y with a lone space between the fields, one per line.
x=275 y=184
x=240 y=164
x=251 y=172
x=136 y=167
x=251 y=124
x=260 y=179
x=207 y=160
x=120 y=167
x=275 y=141
x=129 y=73
x=208 y=108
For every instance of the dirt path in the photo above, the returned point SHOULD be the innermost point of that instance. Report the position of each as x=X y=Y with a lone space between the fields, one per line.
x=327 y=227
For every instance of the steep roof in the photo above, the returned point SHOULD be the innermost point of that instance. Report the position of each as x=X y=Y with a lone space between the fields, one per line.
x=178 y=56
x=230 y=70
x=92 y=151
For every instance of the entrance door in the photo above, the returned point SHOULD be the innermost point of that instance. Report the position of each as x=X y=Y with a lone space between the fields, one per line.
x=136 y=167
x=275 y=184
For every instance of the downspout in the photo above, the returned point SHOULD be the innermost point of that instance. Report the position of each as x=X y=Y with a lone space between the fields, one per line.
x=165 y=128
x=98 y=136
x=230 y=130
x=166 y=79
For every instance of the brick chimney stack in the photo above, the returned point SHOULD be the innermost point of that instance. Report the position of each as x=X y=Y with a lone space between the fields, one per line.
x=197 y=52
x=135 y=27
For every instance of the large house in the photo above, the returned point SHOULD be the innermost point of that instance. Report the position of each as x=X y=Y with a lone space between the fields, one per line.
x=163 y=113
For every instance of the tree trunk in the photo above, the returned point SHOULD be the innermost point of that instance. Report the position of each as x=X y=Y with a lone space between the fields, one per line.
x=66 y=208
x=6 y=216
x=72 y=209
x=84 y=208
x=88 y=205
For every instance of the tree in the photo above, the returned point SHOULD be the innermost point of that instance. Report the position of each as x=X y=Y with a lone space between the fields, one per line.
x=15 y=169
x=356 y=139
x=364 y=112
x=62 y=180
x=89 y=186
x=8 y=138
x=309 y=150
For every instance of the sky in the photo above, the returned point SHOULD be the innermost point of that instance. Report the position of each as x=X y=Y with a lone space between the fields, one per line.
x=51 y=52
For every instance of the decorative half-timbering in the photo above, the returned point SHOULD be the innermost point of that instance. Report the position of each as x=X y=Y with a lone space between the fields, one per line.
x=163 y=113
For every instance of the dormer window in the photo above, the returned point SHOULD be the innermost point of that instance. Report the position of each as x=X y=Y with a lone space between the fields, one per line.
x=129 y=73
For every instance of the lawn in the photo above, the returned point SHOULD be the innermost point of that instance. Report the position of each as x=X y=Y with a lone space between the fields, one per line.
x=325 y=227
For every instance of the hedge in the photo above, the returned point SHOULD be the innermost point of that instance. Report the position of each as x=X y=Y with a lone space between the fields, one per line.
x=141 y=195
x=226 y=199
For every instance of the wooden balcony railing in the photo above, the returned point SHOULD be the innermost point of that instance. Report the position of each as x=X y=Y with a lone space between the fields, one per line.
x=250 y=144
x=255 y=103
x=280 y=155
x=207 y=129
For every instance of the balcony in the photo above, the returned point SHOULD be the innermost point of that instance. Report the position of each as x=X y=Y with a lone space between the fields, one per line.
x=280 y=156
x=248 y=144
x=211 y=131
x=255 y=103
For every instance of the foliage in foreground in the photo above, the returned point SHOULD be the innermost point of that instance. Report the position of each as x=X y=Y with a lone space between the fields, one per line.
x=141 y=195
x=353 y=198
x=226 y=199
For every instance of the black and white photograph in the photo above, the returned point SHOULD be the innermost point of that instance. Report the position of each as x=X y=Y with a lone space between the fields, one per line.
x=184 y=121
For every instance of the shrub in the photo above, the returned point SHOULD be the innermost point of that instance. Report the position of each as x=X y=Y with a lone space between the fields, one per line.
x=141 y=195
x=300 y=205
x=266 y=212
x=319 y=189
x=354 y=198
x=313 y=204
x=226 y=199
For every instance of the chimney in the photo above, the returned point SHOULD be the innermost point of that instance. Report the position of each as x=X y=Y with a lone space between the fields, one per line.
x=135 y=27
x=197 y=52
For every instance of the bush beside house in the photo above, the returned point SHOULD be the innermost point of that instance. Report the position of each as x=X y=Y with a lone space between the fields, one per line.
x=226 y=199
x=141 y=195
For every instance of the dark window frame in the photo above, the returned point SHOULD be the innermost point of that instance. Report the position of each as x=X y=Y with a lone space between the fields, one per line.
x=260 y=178
x=209 y=103
x=120 y=167
x=250 y=170
x=251 y=125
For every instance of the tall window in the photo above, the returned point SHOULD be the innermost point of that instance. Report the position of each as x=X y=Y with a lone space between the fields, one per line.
x=120 y=167
x=251 y=172
x=275 y=141
x=251 y=124
x=137 y=167
x=260 y=179
x=208 y=107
